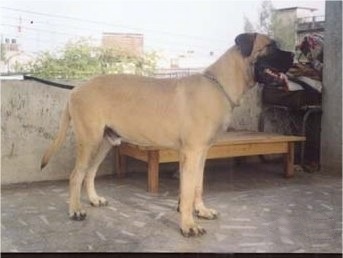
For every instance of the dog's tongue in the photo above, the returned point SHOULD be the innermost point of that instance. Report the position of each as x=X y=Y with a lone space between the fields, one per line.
x=280 y=77
x=284 y=79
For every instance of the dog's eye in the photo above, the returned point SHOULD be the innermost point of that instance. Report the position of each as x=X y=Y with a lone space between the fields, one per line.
x=272 y=47
x=276 y=43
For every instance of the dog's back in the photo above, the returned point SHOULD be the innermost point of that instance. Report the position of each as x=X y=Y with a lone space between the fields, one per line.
x=157 y=108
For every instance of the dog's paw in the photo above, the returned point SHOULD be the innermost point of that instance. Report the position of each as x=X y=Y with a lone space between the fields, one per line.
x=78 y=215
x=193 y=231
x=99 y=202
x=206 y=214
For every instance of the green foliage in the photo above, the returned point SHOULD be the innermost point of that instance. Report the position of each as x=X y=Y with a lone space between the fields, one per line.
x=81 y=60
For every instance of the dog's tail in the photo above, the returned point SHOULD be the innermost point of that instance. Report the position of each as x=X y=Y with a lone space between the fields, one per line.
x=59 y=138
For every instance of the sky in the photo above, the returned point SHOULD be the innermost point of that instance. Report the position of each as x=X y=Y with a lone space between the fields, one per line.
x=175 y=26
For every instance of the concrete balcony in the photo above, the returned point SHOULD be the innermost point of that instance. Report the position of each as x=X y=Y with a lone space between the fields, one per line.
x=310 y=24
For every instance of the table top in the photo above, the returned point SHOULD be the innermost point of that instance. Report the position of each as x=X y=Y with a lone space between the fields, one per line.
x=241 y=137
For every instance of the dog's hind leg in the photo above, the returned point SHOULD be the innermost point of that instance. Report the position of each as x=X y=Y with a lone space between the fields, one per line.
x=190 y=164
x=84 y=156
x=87 y=143
x=94 y=199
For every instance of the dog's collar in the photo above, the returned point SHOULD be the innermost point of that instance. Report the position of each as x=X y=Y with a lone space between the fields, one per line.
x=212 y=78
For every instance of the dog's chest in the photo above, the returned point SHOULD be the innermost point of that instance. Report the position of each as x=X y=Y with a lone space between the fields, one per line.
x=226 y=121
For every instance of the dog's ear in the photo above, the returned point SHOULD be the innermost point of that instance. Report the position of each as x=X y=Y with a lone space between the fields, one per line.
x=245 y=43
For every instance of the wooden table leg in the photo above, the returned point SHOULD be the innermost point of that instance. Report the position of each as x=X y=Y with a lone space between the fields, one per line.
x=289 y=161
x=153 y=170
x=120 y=163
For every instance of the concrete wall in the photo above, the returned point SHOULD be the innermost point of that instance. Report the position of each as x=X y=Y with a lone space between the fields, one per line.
x=245 y=116
x=30 y=114
x=331 y=136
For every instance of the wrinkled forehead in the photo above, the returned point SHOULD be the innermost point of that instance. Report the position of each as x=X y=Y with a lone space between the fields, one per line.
x=263 y=41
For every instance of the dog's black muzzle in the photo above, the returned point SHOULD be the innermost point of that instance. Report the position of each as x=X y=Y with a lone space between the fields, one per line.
x=271 y=67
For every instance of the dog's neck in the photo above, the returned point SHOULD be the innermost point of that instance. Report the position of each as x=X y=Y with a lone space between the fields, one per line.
x=228 y=73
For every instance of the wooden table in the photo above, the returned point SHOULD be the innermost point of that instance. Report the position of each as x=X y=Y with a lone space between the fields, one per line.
x=229 y=144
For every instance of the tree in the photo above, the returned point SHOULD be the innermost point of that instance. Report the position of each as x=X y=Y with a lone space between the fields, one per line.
x=248 y=26
x=266 y=17
x=81 y=60
x=269 y=23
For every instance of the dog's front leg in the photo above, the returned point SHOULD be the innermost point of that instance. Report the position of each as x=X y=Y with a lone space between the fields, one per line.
x=190 y=163
x=199 y=206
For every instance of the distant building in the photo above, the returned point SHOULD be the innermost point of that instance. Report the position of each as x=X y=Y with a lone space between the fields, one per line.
x=176 y=72
x=310 y=24
x=183 y=63
x=130 y=43
x=297 y=22
x=10 y=45
x=12 y=56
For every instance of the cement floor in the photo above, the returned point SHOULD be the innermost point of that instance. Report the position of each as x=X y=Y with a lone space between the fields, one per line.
x=260 y=211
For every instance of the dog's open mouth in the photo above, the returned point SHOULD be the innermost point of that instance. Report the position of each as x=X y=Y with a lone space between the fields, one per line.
x=272 y=76
x=271 y=68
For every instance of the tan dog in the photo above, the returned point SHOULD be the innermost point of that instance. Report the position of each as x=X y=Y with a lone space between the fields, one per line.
x=184 y=114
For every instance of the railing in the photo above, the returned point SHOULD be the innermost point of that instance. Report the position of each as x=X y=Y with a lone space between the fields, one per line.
x=312 y=23
x=309 y=19
x=176 y=72
x=159 y=73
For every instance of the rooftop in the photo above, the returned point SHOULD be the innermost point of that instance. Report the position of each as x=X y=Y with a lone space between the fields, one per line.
x=260 y=211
